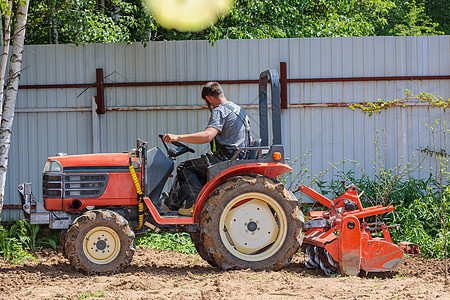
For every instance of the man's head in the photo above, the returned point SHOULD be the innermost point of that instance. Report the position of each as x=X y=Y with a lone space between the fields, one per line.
x=212 y=93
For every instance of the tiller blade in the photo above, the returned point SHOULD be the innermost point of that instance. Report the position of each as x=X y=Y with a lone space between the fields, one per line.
x=338 y=241
x=410 y=248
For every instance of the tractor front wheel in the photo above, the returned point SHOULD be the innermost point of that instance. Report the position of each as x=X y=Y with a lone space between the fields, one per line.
x=62 y=240
x=251 y=222
x=100 y=242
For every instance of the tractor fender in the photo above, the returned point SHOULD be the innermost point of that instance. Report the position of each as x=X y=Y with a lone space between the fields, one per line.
x=271 y=170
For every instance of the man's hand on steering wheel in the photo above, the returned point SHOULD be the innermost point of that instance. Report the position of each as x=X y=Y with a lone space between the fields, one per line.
x=173 y=139
x=170 y=138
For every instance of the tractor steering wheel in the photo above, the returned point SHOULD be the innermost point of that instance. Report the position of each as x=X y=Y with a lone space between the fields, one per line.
x=181 y=148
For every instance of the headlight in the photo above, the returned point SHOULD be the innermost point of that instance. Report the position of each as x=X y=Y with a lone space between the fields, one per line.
x=52 y=166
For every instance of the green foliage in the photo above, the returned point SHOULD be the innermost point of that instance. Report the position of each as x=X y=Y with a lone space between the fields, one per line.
x=125 y=21
x=370 y=108
x=5 y=8
x=180 y=242
x=439 y=13
x=411 y=18
x=17 y=238
x=86 y=21
x=281 y=18
x=14 y=242
x=419 y=224
x=49 y=240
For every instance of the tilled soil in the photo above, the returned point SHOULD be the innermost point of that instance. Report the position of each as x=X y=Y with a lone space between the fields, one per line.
x=171 y=275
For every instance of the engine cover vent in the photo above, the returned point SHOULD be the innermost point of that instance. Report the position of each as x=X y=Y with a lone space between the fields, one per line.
x=76 y=185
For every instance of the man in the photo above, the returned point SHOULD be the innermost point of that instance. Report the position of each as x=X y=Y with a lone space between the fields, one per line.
x=228 y=129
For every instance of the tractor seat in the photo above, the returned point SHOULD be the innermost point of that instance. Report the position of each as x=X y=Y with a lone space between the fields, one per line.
x=252 y=154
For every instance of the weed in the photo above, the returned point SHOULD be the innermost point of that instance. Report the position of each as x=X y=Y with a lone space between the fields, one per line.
x=180 y=242
x=294 y=180
x=90 y=294
x=18 y=237
x=14 y=243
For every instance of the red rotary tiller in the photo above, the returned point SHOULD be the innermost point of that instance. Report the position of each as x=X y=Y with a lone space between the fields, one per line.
x=338 y=240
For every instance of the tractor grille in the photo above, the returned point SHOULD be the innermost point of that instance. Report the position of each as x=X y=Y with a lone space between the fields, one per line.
x=51 y=186
x=74 y=185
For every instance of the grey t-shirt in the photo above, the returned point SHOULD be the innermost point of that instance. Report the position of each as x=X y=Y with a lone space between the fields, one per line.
x=232 y=134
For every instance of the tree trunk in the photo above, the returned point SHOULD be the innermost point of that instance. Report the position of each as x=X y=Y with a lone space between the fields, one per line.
x=54 y=23
x=12 y=86
x=5 y=54
x=1 y=34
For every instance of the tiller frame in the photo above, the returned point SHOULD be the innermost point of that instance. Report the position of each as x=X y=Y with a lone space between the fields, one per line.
x=338 y=241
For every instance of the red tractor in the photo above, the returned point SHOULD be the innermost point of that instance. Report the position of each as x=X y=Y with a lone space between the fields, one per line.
x=243 y=217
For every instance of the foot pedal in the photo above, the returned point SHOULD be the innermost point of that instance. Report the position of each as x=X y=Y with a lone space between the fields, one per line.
x=186 y=211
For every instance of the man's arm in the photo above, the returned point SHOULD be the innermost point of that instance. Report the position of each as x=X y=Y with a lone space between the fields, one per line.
x=201 y=137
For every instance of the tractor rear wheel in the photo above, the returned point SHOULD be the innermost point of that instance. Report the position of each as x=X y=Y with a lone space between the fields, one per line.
x=195 y=237
x=251 y=222
x=100 y=242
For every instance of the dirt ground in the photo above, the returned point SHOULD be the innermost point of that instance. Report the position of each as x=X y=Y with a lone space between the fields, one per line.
x=171 y=275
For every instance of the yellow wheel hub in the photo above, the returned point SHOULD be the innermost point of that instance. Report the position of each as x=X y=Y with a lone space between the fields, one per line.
x=254 y=226
x=101 y=245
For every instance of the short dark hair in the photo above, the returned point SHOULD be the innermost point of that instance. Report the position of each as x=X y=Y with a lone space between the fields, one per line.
x=212 y=89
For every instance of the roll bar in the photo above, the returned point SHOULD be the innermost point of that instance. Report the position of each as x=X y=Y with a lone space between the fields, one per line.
x=274 y=78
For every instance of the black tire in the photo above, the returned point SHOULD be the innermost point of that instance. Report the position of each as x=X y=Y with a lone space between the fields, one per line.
x=112 y=249
x=264 y=224
x=62 y=241
x=195 y=237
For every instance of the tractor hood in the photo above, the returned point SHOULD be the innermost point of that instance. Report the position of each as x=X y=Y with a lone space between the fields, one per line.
x=102 y=162
x=70 y=183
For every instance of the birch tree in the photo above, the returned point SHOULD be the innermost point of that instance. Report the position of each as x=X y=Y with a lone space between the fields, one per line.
x=9 y=95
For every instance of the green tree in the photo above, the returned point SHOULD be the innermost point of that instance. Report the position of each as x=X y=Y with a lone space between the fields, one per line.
x=411 y=18
x=283 y=18
x=439 y=12
x=105 y=21
x=88 y=21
